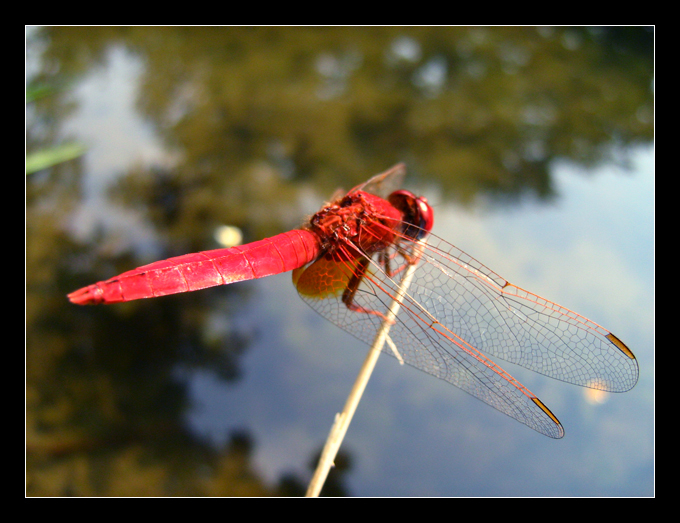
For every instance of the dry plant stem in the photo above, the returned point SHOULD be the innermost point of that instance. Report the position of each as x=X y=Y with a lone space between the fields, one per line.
x=343 y=419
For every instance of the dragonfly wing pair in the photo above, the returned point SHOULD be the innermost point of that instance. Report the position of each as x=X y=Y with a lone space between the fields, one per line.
x=457 y=313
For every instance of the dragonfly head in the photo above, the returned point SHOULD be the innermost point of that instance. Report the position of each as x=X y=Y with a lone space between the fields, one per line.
x=416 y=211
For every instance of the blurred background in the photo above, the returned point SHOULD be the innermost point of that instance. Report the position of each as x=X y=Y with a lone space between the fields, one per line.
x=535 y=147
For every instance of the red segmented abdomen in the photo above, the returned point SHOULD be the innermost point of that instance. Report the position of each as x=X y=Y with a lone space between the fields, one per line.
x=191 y=272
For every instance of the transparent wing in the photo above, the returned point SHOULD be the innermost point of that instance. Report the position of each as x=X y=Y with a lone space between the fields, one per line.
x=505 y=321
x=456 y=312
x=384 y=183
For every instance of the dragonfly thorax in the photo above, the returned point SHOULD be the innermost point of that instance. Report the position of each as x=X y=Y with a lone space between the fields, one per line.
x=358 y=220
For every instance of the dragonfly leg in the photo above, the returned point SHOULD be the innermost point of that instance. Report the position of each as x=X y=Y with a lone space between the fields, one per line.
x=358 y=274
x=409 y=259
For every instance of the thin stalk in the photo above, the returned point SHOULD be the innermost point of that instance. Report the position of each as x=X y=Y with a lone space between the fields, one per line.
x=343 y=419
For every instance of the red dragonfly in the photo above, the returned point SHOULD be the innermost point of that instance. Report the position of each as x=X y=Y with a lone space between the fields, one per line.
x=348 y=262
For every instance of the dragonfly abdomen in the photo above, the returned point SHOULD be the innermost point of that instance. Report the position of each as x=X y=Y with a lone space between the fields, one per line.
x=191 y=272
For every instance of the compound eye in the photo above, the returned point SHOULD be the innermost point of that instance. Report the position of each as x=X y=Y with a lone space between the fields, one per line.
x=416 y=211
x=426 y=213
